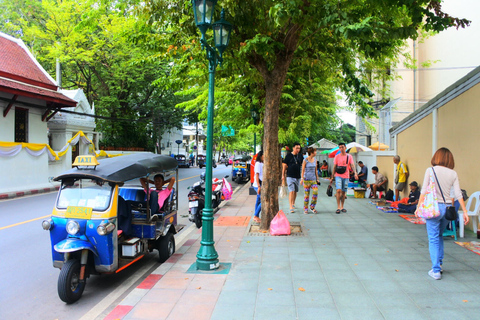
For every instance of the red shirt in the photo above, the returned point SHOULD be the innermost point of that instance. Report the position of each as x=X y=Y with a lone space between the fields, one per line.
x=343 y=161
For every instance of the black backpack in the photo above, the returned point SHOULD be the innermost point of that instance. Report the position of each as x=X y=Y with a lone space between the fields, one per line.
x=389 y=195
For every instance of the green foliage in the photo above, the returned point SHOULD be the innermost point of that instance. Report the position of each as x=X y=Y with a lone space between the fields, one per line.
x=107 y=49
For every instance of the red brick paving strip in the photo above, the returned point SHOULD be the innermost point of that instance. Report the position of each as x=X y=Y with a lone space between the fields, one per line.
x=149 y=281
x=119 y=312
x=232 y=221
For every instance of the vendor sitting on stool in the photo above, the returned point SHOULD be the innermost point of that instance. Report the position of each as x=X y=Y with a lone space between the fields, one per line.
x=380 y=182
x=413 y=197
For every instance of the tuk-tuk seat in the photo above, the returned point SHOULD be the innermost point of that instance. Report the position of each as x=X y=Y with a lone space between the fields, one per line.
x=135 y=197
x=124 y=215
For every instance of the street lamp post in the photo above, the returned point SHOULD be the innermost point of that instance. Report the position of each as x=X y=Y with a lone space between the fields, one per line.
x=254 y=113
x=207 y=256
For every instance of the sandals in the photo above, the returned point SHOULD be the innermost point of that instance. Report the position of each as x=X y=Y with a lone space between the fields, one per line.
x=313 y=211
x=344 y=210
x=338 y=211
x=257 y=219
x=292 y=210
x=305 y=212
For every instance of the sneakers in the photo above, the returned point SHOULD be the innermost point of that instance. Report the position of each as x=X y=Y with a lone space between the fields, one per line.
x=435 y=275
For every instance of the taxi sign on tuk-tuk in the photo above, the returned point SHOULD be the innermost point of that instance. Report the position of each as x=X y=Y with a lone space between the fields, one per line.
x=85 y=160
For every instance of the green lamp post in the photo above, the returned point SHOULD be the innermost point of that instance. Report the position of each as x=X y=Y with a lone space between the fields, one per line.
x=207 y=256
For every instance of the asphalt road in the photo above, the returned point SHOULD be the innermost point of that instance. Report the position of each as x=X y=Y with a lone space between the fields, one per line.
x=28 y=281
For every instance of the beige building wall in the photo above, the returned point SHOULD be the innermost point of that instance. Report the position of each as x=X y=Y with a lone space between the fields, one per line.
x=454 y=52
x=458 y=131
x=414 y=147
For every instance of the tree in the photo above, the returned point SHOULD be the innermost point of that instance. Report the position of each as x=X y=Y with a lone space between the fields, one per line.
x=103 y=50
x=277 y=44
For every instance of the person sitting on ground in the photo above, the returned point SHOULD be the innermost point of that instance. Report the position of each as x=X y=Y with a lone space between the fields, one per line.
x=363 y=174
x=159 y=181
x=413 y=197
x=380 y=183
x=324 y=169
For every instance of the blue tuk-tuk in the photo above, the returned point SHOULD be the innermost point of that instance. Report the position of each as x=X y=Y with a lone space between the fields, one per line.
x=103 y=220
x=241 y=168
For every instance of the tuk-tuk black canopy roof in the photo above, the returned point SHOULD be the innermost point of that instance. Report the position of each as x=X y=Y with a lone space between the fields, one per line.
x=123 y=168
x=242 y=158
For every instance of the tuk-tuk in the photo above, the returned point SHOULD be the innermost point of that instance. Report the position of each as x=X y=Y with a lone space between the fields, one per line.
x=202 y=160
x=103 y=220
x=241 y=169
x=182 y=161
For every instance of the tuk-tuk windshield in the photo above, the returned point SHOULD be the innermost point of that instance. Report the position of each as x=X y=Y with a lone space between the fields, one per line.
x=85 y=193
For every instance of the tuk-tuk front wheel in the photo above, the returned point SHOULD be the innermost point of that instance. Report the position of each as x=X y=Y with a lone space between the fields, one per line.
x=70 y=288
x=165 y=247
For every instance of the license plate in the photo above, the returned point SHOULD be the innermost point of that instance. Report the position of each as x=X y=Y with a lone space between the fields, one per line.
x=193 y=204
x=78 y=212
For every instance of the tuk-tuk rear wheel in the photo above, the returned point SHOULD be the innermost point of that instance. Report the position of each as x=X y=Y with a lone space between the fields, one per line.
x=165 y=247
x=70 y=288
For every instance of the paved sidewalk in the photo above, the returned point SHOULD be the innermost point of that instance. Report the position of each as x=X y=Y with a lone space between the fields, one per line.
x=363 y=264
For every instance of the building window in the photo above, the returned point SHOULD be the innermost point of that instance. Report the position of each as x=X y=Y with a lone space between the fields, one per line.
x=21 y=125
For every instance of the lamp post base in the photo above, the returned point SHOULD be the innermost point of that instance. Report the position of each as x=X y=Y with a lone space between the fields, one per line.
x=207 y=265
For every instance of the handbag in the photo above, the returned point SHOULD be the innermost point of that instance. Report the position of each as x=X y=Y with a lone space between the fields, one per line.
x=428 y=209
x=280 y=225
x=451 y=213
x=342 y=169
x=282 y=192
x=330 y=190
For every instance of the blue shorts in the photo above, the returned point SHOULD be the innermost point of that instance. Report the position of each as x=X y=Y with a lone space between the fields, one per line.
x=341 y=183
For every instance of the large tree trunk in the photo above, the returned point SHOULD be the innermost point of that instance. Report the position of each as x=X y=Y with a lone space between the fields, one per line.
x=274 y=82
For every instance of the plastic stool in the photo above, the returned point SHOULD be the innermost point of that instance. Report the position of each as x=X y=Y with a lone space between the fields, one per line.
x=452 y=232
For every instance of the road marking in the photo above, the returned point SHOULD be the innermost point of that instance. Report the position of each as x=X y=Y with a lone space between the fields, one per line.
x=23 y=222
x=188 y=178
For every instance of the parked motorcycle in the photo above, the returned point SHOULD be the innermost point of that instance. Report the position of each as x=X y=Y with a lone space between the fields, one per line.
x=196 y=198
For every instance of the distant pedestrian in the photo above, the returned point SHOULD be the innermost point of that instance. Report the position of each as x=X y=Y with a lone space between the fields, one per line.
x=413 y=197
x=363 y=174
x=292 y=165
x=446 y=179
x=257 y=184
x=309 y=180
x=401 y=175
x=324 y=169
x=341 y=174
x=379 y=184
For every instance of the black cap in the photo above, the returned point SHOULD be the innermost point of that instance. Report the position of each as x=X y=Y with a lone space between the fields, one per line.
x=414 y=183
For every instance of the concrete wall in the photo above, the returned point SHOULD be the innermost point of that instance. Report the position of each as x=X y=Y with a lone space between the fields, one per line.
x=414 y=148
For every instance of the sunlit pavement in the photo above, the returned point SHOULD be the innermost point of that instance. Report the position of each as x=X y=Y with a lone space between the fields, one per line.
x=363 y=264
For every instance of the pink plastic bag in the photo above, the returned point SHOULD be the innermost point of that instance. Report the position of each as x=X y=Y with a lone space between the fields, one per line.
x=280 y=225
x=227 y=190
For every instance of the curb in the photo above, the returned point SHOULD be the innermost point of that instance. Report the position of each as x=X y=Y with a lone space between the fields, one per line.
x=136 y=295
x=11 y=195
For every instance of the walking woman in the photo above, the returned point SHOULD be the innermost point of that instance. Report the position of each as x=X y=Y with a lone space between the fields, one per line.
x=446 y=179
x=257 y=184
x=309 y=180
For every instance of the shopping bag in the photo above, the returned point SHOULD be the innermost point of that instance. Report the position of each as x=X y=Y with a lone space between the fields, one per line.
x=330 y=190
x=282 y=191
x=429 y=208
x=280 y=225
x=368 y=192
x=227 y=190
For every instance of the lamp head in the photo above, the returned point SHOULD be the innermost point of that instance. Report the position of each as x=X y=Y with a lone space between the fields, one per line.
x=221 y=33
x=203 y=12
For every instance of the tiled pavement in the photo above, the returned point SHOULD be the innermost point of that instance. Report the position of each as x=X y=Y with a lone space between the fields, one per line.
x=364 y=264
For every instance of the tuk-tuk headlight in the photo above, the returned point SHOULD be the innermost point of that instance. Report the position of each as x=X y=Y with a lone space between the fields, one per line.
x=72 y=227
x=105 y=228
x=47 y=224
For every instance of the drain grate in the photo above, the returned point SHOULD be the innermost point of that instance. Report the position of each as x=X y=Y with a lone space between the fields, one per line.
x=296 y=230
